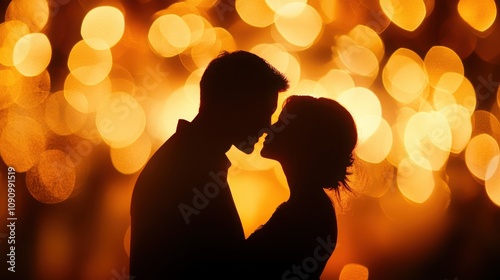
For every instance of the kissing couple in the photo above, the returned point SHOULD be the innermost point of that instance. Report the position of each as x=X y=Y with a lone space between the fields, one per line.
x=184 y=221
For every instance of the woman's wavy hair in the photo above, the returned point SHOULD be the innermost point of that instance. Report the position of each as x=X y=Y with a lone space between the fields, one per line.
x=328 y=139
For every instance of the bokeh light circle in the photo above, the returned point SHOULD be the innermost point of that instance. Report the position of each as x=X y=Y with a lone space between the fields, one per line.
x=366 y=37
x=32 y=91
x=121 y=120
x=103 y=27
x=440 y=60
x=479 y=14
x=365 y=108
x=88 y=65
x=32 y=54
x=299 y=23
x=359 y=60
x=404 y=77
x=459 y=120
x=86 y=98
x=407 y=14
x=130 y=159
x=179 y=105
x=428 y=139
x=53 y=178
x=354 y=271
x=414 y=181
x=22 y=141
x=169 y=35
x=61 y=117
x=10 y=32
x=196 y=26
x=492 y=184
x=35 y=13
x=376 y=148
x=480 y=153
x=255 y=13
x=336 y=82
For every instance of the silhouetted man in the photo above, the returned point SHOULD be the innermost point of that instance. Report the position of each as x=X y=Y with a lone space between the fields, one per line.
x=184 y=222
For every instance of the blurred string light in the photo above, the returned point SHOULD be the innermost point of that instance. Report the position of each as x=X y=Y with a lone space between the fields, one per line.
x=299 y=23
x=10 y=33
x=169 y=35
x=121 y=120
x=88 y=65
x=407 y=14
x=34 y=13
x=441 y=61
x=365 y=108
x=478 y=14
x=22 y=142
x=493 y=181
x=61 y=117
x=404 y=77
x=359 y=52
x=53 y=177
x=32 y=54
x=415 y=180
x=86 y=98
x=31 y=91
x=103 y=27
x=481 y=156
x=255 y=13
x=131 y=158
x=428 y=140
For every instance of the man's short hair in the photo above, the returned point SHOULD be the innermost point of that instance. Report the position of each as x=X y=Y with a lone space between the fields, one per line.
x=237 y=77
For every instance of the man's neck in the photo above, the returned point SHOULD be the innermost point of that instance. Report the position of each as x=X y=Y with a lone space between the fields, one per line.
x=215 y=135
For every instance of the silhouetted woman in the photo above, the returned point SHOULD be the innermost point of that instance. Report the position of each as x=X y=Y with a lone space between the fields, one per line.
x=315 y=150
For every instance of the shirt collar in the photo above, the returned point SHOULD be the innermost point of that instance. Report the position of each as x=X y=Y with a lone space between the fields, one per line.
x=206 y=143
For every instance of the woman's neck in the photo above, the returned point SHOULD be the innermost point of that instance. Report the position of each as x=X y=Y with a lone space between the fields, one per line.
x=303 y=185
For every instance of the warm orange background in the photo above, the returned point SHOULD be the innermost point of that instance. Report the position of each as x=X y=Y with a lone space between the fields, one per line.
x=420 y=78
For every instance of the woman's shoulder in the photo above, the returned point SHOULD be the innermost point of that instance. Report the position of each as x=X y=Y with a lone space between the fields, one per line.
x=294 y=215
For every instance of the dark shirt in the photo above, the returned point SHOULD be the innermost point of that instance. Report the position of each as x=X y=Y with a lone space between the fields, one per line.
x=184 y=221
x=296 y=242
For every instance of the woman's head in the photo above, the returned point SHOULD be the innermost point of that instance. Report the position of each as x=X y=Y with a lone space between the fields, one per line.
x=317 y=135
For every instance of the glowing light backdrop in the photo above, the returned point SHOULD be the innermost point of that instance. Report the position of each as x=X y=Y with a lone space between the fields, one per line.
x=90 y=89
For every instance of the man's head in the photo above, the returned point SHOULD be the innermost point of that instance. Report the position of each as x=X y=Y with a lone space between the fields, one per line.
x=242 y=90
